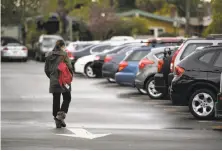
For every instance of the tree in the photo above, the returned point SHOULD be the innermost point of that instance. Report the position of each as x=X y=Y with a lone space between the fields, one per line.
x=126 y=4
x=150 y=5
x=102 y=20
x=215 y=26
x=181 y=7
x=15 y=11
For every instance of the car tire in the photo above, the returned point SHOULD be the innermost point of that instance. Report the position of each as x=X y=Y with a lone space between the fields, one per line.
x=111 y=80
x=142 y=91
x=41 y=58
x=206 y=99
x=151 y=91
x=89 y=71
x=25 y=59
x=36 y=56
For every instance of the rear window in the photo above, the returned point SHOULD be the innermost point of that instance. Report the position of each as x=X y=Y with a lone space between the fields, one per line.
x=191 y=48
x=137 y=55
x=115 y=50
x=8 y=41
x=218 y=62
x=101 y=48
x=81 y=46
x=206 y=58
x=160 y=55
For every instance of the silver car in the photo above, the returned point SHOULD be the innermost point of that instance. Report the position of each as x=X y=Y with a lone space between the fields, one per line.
x=148 y=67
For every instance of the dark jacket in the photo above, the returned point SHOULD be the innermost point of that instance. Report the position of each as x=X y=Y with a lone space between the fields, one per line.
x=51 y=70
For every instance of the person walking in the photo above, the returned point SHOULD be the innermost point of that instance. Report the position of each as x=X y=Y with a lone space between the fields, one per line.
x=52 y=66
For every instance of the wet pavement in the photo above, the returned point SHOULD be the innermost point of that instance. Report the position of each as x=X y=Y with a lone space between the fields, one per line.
x=101 y=116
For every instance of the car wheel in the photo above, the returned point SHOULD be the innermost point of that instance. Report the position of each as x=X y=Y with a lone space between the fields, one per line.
x=89 y=71
x=111 y=80
x=201 y=104
x=142 y=91
x=25 y=59
x=36 y=56
x=151 y=91
x=41 y=58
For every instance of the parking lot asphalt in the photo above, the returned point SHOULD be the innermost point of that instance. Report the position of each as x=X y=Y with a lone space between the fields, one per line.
x=101 y=116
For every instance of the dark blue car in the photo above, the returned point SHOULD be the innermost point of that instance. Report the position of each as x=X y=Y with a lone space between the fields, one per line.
x=111 y=62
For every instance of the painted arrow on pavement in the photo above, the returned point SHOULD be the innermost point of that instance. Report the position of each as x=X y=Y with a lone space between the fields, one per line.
x=82 y=133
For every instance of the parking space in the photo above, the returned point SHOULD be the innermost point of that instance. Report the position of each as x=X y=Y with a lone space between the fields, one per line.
x=102 y=115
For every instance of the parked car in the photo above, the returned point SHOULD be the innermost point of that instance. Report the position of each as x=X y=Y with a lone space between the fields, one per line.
x=196 y=81
x=46 y=44
x=79 y=45
x=218 y=104
x=148 y=68
x=161 y=80
x=83 y=64
x=12 y=49
x=81 y=53
x=111 y=62
x=128 y=67
x=100 y=58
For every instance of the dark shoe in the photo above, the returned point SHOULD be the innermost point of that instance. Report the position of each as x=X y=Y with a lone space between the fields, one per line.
x=61 y=116
x=58 y=123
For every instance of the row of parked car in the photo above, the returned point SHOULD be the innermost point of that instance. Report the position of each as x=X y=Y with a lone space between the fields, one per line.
x=186 y=70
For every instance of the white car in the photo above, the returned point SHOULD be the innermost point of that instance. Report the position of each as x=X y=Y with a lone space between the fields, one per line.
x=13 y=49
x=82 y=65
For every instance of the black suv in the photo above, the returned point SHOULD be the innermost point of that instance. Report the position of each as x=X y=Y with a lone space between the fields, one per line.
x=196 y=81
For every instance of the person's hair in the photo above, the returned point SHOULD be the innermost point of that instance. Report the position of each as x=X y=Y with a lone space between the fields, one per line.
x=59 y=44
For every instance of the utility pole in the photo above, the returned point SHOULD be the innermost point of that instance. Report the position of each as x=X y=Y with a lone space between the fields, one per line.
x=187 y=17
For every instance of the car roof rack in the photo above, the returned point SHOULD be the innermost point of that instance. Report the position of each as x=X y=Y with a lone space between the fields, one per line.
x=214 y=36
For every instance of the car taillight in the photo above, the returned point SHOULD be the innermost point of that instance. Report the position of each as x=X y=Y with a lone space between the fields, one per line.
x=160 y=65
x=70 y=55
x=174 y=58
x=5 y=49
x=24 y=49
x=97 y=58
x=145 y=62
x=122 y=65
x=179 y=71
x=108 y=59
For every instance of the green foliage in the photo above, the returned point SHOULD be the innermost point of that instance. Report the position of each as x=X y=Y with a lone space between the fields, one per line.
x=124 y=5
x=215 y=26
x=13 y=12
x=181 y=6
x=150 y=5
x=33 y=34
x=132 y=26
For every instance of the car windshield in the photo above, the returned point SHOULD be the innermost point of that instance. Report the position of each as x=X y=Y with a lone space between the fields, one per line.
x=13 y=44
x=49 y=42
x=9 y=41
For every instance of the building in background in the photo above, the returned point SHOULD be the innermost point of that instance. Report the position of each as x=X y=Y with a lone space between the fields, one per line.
x=158 y=24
